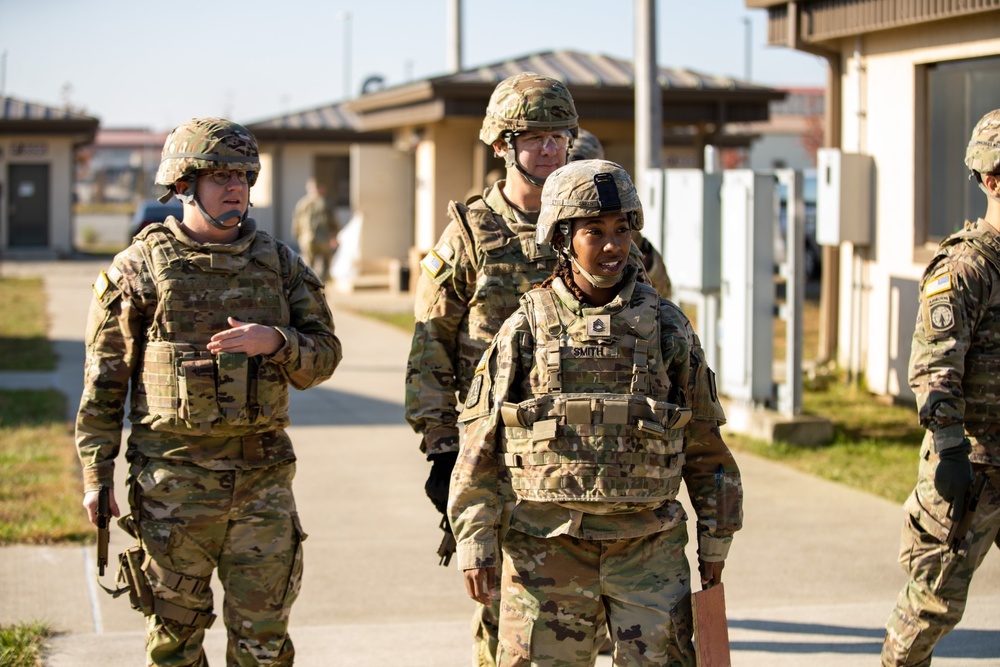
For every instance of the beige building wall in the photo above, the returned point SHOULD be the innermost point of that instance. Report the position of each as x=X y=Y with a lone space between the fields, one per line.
x=57 y=153
x=883 y=108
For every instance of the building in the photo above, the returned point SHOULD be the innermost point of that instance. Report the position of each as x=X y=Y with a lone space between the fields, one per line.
x=907 y=81
x=37 y=172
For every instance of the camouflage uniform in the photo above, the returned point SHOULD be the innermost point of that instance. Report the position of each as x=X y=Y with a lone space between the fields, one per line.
x=315 y=227
x=594 y=415
x=953 y=372
x=211 y=466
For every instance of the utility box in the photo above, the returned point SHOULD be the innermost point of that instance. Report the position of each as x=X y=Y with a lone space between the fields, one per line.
x=843 y=197
x=692 y=228
x=746 y=339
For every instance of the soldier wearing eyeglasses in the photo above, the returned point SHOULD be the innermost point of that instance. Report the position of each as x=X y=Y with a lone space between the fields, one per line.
x=203 y=322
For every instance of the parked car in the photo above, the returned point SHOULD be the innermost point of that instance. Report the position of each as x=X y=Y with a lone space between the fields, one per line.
x=150 y=211
x=813 y=253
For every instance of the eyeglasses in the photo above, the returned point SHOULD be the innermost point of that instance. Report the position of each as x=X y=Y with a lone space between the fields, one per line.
x=538 y=140
x=223 y=176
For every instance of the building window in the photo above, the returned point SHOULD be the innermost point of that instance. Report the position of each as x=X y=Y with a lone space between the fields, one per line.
x=959 y=93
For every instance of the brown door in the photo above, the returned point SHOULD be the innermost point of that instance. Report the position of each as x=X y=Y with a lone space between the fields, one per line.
x=28 y=205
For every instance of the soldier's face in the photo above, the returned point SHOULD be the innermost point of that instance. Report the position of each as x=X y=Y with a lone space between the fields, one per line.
x=541 y=153
x=601 y=244
x=219 y=195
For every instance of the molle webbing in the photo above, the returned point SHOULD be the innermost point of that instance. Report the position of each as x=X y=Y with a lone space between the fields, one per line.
x=981 y=387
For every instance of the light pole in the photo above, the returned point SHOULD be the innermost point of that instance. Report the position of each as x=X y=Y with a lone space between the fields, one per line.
x=346 y=18
x=748 y=46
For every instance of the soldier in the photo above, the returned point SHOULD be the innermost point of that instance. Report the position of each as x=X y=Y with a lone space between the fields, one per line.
x=594 y=402
x=315 y=228
x=471 y=281
x=953 y=366
x=588 y=147
x=205 y=320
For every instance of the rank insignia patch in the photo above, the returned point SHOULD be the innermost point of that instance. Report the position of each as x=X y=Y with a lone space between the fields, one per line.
x=598 y=326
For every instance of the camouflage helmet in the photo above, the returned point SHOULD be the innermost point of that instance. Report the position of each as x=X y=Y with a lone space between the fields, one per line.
x=586 y=147
x=585 y=189
x=983 y=153
x=528 y=101
x=207 y=143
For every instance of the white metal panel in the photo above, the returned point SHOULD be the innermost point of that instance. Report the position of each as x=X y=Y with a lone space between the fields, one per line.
x=747 y=290
x=692 y=229
x=843 y=197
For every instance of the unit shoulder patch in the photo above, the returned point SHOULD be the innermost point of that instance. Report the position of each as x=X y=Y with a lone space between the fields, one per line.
x=942 y=317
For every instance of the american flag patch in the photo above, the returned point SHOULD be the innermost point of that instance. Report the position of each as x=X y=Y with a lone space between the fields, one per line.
x=940 y=284
x=432 y=264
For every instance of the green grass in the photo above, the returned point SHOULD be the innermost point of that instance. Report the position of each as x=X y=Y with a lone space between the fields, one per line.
x=40 y=488
x=403 y=320
x=24 y=345
x=21 y=644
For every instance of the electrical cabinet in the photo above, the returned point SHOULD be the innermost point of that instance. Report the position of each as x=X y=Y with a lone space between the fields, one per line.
x=746 y=329
x=692 y=228
x=843 y=197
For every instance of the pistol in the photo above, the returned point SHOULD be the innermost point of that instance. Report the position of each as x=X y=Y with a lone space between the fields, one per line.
x=103 y=529
x=447 y=547
x=963 y=513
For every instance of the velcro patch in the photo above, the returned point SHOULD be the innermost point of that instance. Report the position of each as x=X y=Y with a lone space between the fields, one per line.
x=942 y=316
x=599 y=326
x=937 y=285
x=432 y=263
x=102 y=284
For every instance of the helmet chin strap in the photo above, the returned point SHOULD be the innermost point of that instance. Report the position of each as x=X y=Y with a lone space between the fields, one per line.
x=191 y=196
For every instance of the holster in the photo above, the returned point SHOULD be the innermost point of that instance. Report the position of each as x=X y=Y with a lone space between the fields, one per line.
x=130 y=574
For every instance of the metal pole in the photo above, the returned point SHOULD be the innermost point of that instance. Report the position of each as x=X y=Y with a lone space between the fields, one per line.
x=455 y=36
x=648 y=96
x=346 y=18
x=748 y=46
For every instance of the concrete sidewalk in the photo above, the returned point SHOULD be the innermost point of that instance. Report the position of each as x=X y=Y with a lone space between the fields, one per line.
x=810 y=581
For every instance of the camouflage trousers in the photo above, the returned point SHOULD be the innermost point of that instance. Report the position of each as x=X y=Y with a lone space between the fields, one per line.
x=557 y=592
x=933 y=600
x=241 y=523
x=318 y=256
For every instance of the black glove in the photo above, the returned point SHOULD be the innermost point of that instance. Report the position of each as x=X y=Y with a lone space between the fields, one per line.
x=436 y=487
x=954 y=472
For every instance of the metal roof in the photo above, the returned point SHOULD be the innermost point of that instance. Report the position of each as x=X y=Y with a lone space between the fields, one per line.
x=20 y=117
x=602 y=87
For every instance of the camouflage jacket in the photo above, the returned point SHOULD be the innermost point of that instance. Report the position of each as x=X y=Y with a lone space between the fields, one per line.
x=126 y=318
x=505 y=375
x=655 y=267
x=955 y=353
x=469 y=284
x=313 y=221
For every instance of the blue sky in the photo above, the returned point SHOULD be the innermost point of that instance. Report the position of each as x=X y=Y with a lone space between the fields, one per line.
x=134 y=63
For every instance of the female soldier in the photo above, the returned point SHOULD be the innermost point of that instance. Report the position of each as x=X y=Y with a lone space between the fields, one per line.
x=591 y=405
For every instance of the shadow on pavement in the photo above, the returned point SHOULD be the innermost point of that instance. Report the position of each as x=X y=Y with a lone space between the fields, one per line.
x=958 y=644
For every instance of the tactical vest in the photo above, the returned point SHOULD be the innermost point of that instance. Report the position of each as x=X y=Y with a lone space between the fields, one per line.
x=507 y=266
x=981 y=379
x=181 y=386
x=598 y=433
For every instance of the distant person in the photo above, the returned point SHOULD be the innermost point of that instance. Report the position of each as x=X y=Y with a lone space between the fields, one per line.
x=953 y=372
x=202 y=323
x=589 y=147
x=315 y=227
x=593 y=404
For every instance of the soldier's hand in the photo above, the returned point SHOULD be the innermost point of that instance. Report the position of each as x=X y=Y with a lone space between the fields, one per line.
x=90 y=504
x=438 y=481
x=954 y=472
x=247 y=337
x=481 y=583
x=711 y=572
